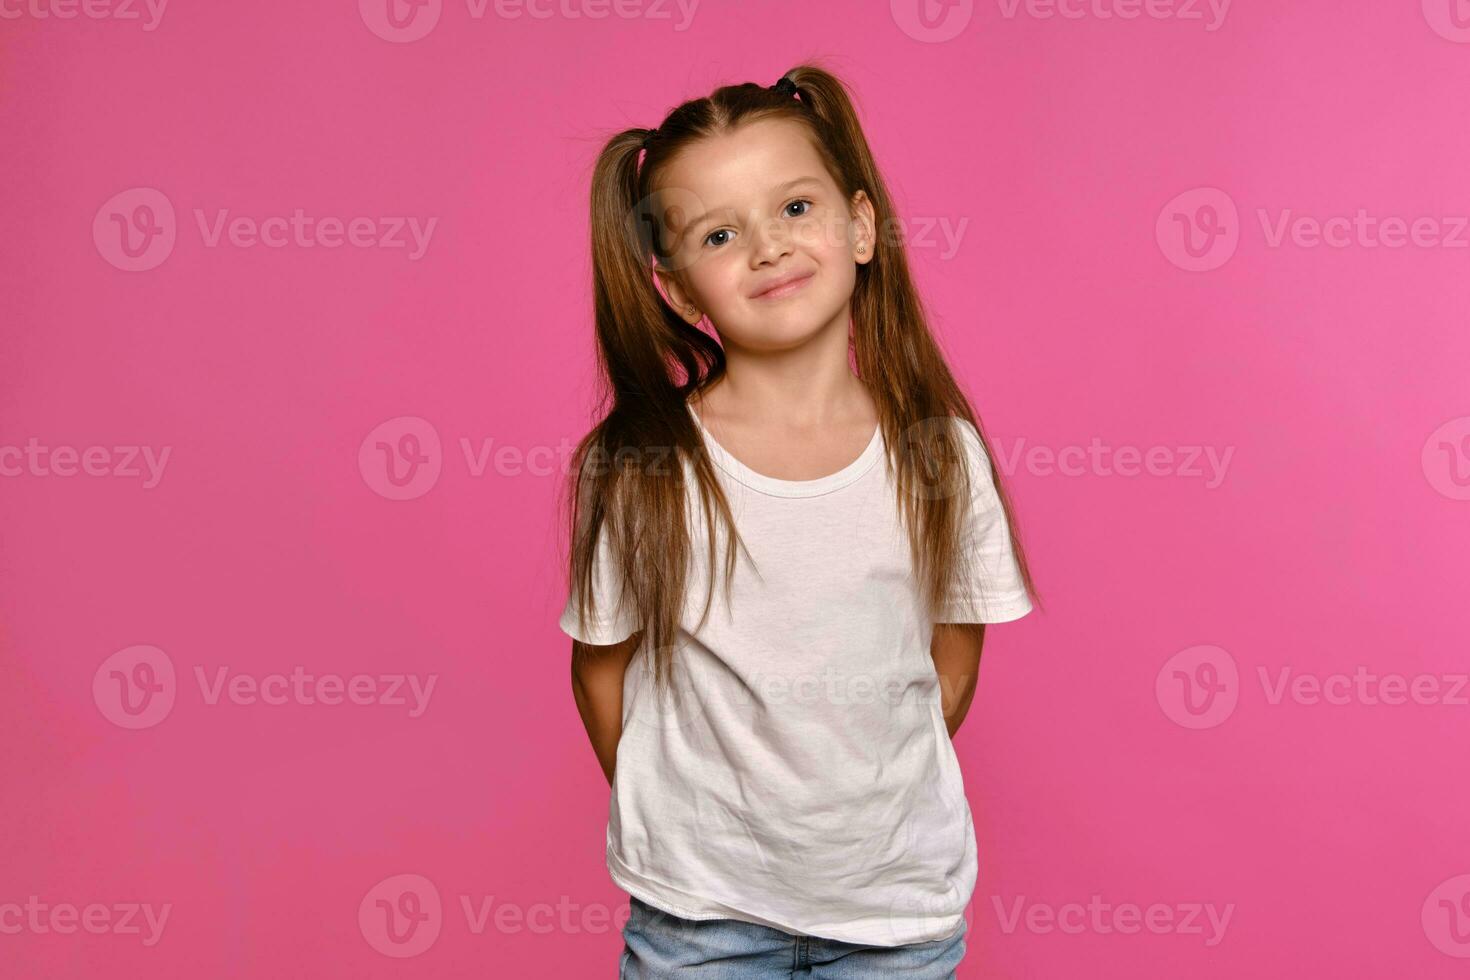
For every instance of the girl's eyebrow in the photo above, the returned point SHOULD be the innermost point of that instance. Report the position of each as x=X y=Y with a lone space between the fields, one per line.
x=709 y=215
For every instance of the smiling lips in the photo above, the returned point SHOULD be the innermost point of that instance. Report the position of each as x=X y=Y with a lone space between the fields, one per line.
x=784 y=286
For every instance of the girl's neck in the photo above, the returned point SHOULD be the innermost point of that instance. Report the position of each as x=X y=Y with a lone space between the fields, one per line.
x=807 y=402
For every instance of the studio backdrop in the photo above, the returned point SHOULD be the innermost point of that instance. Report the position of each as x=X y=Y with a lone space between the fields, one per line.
x=296 y=342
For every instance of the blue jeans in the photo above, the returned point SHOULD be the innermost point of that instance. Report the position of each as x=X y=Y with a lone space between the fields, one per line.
x=660 y=946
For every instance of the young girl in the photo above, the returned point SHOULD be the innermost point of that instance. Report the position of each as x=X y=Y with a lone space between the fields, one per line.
x=785 y=796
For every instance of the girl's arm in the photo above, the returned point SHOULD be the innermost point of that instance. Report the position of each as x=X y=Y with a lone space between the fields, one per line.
x=956 y=652
x=597 y=685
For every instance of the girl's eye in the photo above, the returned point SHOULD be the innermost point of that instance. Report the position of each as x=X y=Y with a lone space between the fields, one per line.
x=726 y=231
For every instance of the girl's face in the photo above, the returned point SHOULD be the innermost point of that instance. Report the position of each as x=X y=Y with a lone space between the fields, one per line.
x=748 y=211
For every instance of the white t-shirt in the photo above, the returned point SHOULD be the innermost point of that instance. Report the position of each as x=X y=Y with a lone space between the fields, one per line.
x=802 y=776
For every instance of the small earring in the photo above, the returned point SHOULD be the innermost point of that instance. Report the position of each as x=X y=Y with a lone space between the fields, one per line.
x=691 y=309
x=862 y=248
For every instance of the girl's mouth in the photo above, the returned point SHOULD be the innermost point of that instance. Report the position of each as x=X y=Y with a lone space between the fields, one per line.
x=785 y=288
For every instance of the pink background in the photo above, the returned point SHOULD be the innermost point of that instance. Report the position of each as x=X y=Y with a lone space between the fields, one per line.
x=1335 y=540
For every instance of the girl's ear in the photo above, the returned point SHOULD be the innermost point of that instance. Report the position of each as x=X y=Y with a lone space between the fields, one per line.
x=683 y=305
x=864 y=243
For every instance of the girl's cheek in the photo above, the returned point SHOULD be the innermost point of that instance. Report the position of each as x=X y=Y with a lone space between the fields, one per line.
x=816 y=235
x=713 y=277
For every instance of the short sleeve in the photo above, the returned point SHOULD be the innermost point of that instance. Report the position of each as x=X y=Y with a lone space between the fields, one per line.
x=990 y=589
x=609 y=619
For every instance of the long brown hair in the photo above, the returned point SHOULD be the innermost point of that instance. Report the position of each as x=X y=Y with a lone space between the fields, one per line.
x=627 y=478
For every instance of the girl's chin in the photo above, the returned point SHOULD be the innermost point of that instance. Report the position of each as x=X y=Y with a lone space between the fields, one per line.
x=776 y=333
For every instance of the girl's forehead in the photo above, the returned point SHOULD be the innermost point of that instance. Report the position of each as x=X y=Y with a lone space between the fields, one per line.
x=755 y=158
